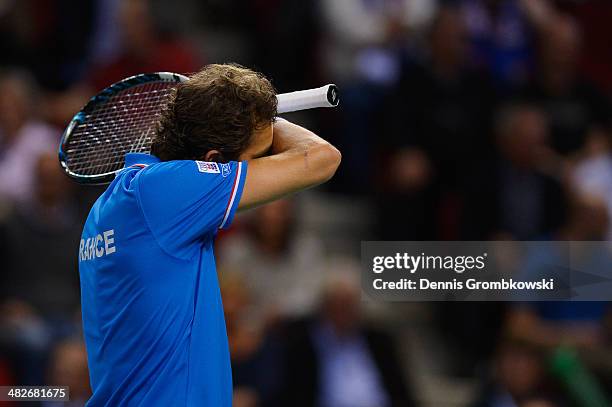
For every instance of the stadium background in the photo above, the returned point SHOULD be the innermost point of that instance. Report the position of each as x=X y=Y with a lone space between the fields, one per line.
x=473 y=119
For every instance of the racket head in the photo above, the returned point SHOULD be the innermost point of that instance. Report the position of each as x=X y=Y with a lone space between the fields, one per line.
x=120 y=119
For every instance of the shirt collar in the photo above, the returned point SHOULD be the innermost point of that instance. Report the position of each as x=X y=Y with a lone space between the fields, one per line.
x=140 y=158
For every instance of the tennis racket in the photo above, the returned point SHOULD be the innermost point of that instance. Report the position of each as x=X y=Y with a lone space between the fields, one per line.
x=122 y=119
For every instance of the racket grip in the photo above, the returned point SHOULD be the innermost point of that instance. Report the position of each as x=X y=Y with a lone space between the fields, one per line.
x=325 y=96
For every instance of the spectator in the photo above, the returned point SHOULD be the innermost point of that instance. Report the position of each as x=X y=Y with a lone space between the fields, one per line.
x=22 y=137
x=363 y=49
x=516 y=194
x=24 y=340
x=68 y=367
x=143 y=48
x=284 y=267
x=437 y=126
x=343 y=362
x=581 y=323
x=594 y=18
x=38 y=241
x=254 y=351
x=48 y=37
x=363 y=37
x=519 y=373
x=592 y=175
x=500 y=37
x=572 y=104
x=39 y=288
x=284 y=39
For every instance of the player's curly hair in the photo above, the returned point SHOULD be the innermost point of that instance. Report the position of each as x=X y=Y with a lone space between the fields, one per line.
x=218 y=108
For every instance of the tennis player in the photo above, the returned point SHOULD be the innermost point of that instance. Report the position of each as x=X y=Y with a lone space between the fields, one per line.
x=152 y=312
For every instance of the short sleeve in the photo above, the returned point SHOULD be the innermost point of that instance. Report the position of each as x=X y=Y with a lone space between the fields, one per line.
x=186 y=201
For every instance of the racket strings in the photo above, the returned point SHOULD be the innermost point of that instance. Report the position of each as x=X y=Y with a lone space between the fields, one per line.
x=124 y=123
x=133 y=116
x=104 y=141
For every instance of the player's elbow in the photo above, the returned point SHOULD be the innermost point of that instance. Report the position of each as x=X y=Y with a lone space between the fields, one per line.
x=329 y=160
x=334 y=158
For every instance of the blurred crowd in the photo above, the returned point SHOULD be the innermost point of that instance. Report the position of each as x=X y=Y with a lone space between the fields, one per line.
x=459 y=120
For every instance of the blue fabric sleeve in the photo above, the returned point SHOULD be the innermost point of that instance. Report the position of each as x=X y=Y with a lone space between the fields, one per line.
x=184 y=202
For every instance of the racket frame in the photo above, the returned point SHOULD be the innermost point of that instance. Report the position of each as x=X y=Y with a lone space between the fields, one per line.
x=325 y=96
x=96 y=101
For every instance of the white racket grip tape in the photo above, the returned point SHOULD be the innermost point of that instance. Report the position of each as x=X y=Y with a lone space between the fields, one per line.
x=325 y=96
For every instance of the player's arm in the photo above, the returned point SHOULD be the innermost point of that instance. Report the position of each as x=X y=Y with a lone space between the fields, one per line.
x=300 y=159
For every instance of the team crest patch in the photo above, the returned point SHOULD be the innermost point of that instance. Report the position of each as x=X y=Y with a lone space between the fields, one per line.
x=210 y=167
x=225 y=169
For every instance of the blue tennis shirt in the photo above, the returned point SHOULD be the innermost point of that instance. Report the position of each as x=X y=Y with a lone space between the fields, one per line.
x=152 y=313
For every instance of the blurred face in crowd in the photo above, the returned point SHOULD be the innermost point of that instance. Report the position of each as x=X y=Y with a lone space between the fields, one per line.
x=273 y=223
x=14 y=105
x=448 y=38
x=560 y=47
x=51 y=184
x=244 y=334
x=589 y=218
x=136 y=25
x=236 y=298
x=341 y=306
x=519 y=369
x=69 y=367
x=522 y=136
